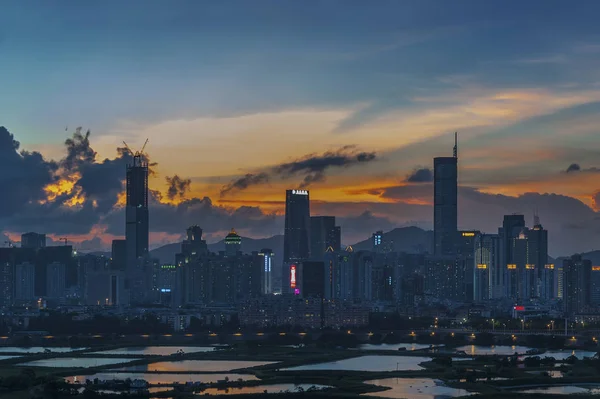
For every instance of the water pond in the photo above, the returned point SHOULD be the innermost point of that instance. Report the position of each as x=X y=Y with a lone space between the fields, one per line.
x=369 y=363
x=196 y=365
x=415 y=388
x=75 y=362
x=36 y=349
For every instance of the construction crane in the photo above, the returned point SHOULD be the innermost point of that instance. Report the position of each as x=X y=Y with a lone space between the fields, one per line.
x=65 y=239
x=137 y=153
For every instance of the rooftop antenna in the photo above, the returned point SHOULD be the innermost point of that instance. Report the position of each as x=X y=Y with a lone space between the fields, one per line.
x=455 y=152
x=536 y=217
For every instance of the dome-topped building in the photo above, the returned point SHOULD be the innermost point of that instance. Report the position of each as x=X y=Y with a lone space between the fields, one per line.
x=233 y=243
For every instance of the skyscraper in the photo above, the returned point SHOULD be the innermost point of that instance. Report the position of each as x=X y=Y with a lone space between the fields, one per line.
x=136 y=211
x=324 y=235
x=445 y=201
x=266 y=256
x=24 y=281
x=577 y=284
x=297 y=226
x=233 y=243
x=486 y=268
x=33 y=240
x=512 y=226
x=119 y=255
x=56 y=280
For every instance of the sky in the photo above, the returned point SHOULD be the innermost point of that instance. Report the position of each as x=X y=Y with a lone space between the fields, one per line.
x=350 y=99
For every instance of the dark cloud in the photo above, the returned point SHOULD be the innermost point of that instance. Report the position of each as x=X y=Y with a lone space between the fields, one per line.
x=574 y=167
x=178 y=187
x=79 y=151
x=175 y=218
x=23 y=175
x=312 y=168
x=420 y=175
x=244 y=182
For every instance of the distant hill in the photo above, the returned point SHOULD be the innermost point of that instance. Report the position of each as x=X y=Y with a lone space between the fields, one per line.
x=166 y=253
x=406 y=239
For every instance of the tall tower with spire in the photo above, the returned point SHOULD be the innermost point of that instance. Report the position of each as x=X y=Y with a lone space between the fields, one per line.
x=445 y=203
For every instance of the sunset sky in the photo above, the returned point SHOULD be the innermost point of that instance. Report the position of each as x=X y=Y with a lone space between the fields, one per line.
x=349 y=99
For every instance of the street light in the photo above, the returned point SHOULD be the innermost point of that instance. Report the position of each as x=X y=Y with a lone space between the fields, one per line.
x=522 y=324
x=493 y=326
x=552 y=322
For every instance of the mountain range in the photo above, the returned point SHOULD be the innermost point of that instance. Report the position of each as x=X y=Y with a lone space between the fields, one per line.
x=405 y=239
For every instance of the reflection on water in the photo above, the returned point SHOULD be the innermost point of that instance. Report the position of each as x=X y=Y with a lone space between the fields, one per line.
x=394 y=347
x=152 y=378
x=75 y=362
x=274 y=388
x=369 y=363
x=157 y=350
x=415 y=388
x=196 y=365
x=36 y=349
x=563 y=390
x=492 y=350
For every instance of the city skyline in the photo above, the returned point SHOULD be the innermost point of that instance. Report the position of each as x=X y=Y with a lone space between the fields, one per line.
x=525 y=115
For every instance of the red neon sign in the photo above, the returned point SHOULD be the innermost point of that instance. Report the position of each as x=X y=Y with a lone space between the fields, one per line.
x=293 y=276
x=519 y=308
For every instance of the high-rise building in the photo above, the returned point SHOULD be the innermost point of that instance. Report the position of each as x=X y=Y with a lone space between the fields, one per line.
x=512 y=226
x=527 y=250
x=445 y=203
x=136 y=210
x=577 y=285
x=266 y=256
x=24 y=281
x=56 y=280
x=465 y=252
x=313 y=279
x=595 y=287
x=412 y=289
x=324 y=236
x=6 y=283
x=548 y=282
x=296 y=238
x=487 y=268
x=33 y=240
x=118 y=255
x=233 y=243
x=377 y=240
x=297 y=226
x=538 y=245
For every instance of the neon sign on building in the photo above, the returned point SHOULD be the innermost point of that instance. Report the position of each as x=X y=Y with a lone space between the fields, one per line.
x=293 y=276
